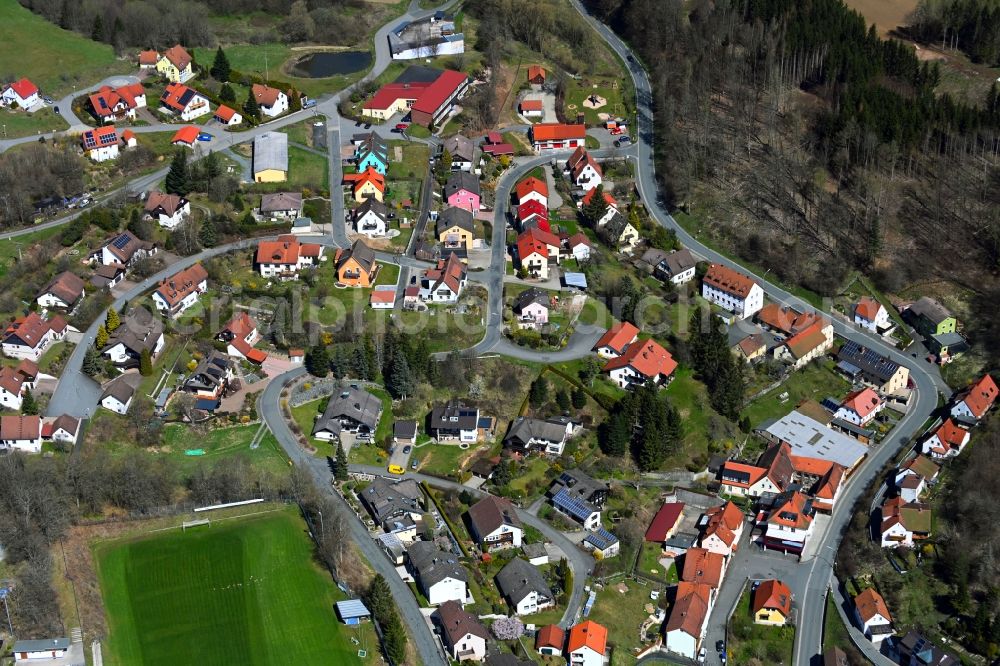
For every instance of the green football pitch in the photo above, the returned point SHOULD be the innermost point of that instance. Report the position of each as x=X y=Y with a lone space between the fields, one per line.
x=240 y=591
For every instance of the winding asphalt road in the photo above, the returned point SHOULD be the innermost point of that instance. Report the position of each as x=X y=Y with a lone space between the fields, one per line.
x=809 y=590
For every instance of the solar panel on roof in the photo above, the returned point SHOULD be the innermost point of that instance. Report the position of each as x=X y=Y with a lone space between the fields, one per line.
x=121 y=242
x=576 y=508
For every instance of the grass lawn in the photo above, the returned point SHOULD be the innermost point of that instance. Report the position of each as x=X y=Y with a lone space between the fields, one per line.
x=50 y=355
x=242 y=591
x=219 y=445
x=690 y=397
x=159 y=142
x=306 y=169
x=578 y=91
x=10 y=246
x=445 y=330
x=534 y=472
x=815 y=381
x=442 y=459
x=17 y=123
x=300 y=132
x=835 y=634
x=747 y=640
x=56 y=60
x=623 y=614
x=413 y=164
x=388 y=274
x=649 y=564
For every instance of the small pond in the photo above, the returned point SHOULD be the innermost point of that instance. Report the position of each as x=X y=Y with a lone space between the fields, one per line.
x=322 y=64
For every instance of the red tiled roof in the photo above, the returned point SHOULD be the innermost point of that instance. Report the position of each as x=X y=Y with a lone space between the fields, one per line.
x=252 y=354
x=148 y=57
x=176 y=288
x=862 y=402
x=791 y=513
x=618 y=337
x=531 y=105
x=439 y=91
x=224 y=113
x=20 y=427
x=664 y=521
x=870 y=603
x=551 y=636
x=807 y=340
x=265 y=95
x=867 y=307
x=99 y=137
x=557 y=132
x=11 y=380
x=690 y=609
x=534 y=71
x=31 y=328
x=241 y=325
x=531 y=208
x=531 y=184
x=648 y=358
x=285 y=250
x=383 y=296
x=107 y=98
x=178 y=56
x=387 y=95
x=724 y=521
x=186 y=135
x=773 y=595
x=727 y=280
x=579 y=161
x=24 y=88
x=786 y=320
x=588 y=634
x=702 y=566
x=589 y=196
x=579 y=238
x=980 y=396
x=168 y=203
x=951 y=434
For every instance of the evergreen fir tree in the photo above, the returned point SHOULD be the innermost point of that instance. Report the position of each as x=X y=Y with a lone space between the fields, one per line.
x=562 y=399
x=91 y=361
x=226 y=94
x=145 y=363
x=178 y=179
x=29 y=406
x=97 y=31
x=538 y=392
x=340 y=473
x=112 y=321
x=220 y=66
x=595 y=210
x=615 y=433
x=207 y=235
x=579 y=398
x=251 y=109
x=399 y=380
x=317 y=361
x=102 y=336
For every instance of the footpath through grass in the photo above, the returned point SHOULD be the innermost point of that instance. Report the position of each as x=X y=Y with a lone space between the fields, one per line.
x=244 y=591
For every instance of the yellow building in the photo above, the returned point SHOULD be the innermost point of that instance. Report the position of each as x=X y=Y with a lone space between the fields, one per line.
x=369 y=184
x=456 y=228
x=772 y=603
x=175 y=65
x=270 y=158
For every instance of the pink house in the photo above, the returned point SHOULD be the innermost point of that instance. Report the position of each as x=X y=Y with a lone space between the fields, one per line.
x=462 y=191
x=532 y=308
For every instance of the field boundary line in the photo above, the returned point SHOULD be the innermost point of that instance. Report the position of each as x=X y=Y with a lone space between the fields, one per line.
x=217 y=520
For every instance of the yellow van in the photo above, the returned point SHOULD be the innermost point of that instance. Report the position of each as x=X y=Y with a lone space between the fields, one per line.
x=395 y=469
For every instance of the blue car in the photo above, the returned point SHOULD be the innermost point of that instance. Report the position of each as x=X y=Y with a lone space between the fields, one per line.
x=204 y=136
x=308 y=104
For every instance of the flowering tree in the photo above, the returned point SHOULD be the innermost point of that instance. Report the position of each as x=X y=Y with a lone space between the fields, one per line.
x=508 y=628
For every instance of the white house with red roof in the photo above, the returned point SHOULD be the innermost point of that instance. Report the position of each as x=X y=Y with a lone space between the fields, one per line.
x=557 y=136
x=587 y=644
x=860 y=407
x=616 y=340
x=533 y=211
x=168 y=210
x=947 y=441
x=100 y=144
x=642 y=362
x=29 y=336
x=227 y=116
x=241 y=334
x=532 y=189
x=734 y=291
x=536 y=248
x=112 y=104
x=721 y=529
x=63 y=428
x=608 y=199
x=579 y=246
x=584 y=170
x=973 y=403
x=272 y=101
x=180 y=291
x=285 y=257
x=184 y=102
x=871 y=315
x=443 y=283
x=789 y=524
x=22 y=92
x=14 y=382
x=872 y=615
x=21 y=433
